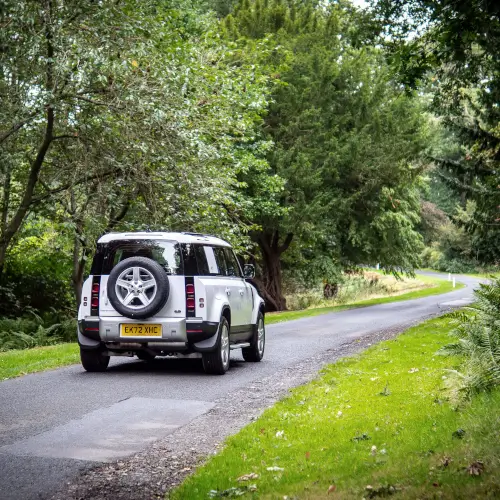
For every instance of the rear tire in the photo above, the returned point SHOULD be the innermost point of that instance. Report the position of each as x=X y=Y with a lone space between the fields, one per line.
x=94 y=360
x=255 y=352
x=217 y=361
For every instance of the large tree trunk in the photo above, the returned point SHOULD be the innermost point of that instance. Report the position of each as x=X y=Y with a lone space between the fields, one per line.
x=270 y=286
x=80 y=252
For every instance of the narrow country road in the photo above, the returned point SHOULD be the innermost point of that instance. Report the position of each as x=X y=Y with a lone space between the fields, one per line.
x=56 y=424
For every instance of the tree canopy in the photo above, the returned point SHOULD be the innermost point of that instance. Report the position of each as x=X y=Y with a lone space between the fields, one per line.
x=284 y=126
x=452 y=47
x=346 y=142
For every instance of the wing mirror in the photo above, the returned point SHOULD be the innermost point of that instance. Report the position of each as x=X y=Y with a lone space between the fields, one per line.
x=249 y=271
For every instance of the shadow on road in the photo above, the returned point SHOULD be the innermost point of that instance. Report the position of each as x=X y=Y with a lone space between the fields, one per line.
x=162 y=366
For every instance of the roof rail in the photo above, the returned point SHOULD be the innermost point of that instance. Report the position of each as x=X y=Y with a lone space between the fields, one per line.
x=193 y=234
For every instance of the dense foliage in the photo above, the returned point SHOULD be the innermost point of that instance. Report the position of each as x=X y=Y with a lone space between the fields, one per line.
x=119 y=113
x=451 y=48
x=277 y=124
x=344 y=137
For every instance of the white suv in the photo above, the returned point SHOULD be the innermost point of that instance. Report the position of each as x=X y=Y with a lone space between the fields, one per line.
x=159 y=294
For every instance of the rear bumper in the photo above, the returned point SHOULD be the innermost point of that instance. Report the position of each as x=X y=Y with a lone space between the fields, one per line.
x=177 y=334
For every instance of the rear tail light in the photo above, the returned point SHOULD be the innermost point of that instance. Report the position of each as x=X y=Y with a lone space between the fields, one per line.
x=94 y=299
x=190 y=297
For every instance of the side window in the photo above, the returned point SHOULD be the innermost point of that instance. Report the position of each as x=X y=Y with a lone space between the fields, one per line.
x=201 y=259
x=221 y=261
x=189 y=258
x=233 y=267
x=211 y=261
x=195 y=260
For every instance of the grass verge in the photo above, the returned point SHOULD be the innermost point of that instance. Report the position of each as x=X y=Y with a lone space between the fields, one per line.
x=439 y=286
x=22 y=361
x=379 y=419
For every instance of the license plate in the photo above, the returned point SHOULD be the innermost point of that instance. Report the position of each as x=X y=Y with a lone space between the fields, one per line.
x=138 y=330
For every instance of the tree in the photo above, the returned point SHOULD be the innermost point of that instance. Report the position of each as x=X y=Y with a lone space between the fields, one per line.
x=344 y=138
x=130 y=104
x=455 y=53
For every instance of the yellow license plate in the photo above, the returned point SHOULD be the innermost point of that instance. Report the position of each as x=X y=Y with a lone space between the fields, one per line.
x=138 y=330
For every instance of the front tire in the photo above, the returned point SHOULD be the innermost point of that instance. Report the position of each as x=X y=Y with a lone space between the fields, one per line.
x=94 y=360
x=217 y=361
x=255 y=352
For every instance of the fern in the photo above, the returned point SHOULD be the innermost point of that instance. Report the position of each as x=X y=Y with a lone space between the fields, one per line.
x=477 y=340
x=13 y=339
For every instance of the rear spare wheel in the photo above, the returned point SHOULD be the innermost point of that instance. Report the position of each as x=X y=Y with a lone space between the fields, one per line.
x=138 y=287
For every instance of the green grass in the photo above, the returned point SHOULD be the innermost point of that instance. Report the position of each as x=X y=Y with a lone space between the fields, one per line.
x=390 y=397
x=20 y=362
x=439 y=286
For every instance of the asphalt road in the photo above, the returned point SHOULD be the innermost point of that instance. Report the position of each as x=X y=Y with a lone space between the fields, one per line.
x=55 y=424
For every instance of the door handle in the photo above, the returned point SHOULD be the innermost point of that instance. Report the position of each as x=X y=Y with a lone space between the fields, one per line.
x=228 y=291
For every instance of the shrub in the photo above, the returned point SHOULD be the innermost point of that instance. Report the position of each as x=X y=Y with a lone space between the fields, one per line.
x=24 y=333
x=477 y=334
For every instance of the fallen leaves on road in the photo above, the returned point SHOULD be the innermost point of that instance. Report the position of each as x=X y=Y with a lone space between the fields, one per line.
x=331 y=489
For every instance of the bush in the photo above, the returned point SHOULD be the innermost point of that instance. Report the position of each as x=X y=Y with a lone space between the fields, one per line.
x=24 y=333
x=433 y=258
x=477 y=333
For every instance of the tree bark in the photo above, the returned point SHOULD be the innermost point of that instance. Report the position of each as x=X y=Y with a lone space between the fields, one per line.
x=271 y=282
x=79 y=260
x=5 y=211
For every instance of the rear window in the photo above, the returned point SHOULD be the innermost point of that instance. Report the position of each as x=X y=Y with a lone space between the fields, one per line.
x=166 y=253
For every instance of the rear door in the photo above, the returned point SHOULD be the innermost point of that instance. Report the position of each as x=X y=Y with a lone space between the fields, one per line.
x=165 y=252
x=243 y=288
x=231 y=288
